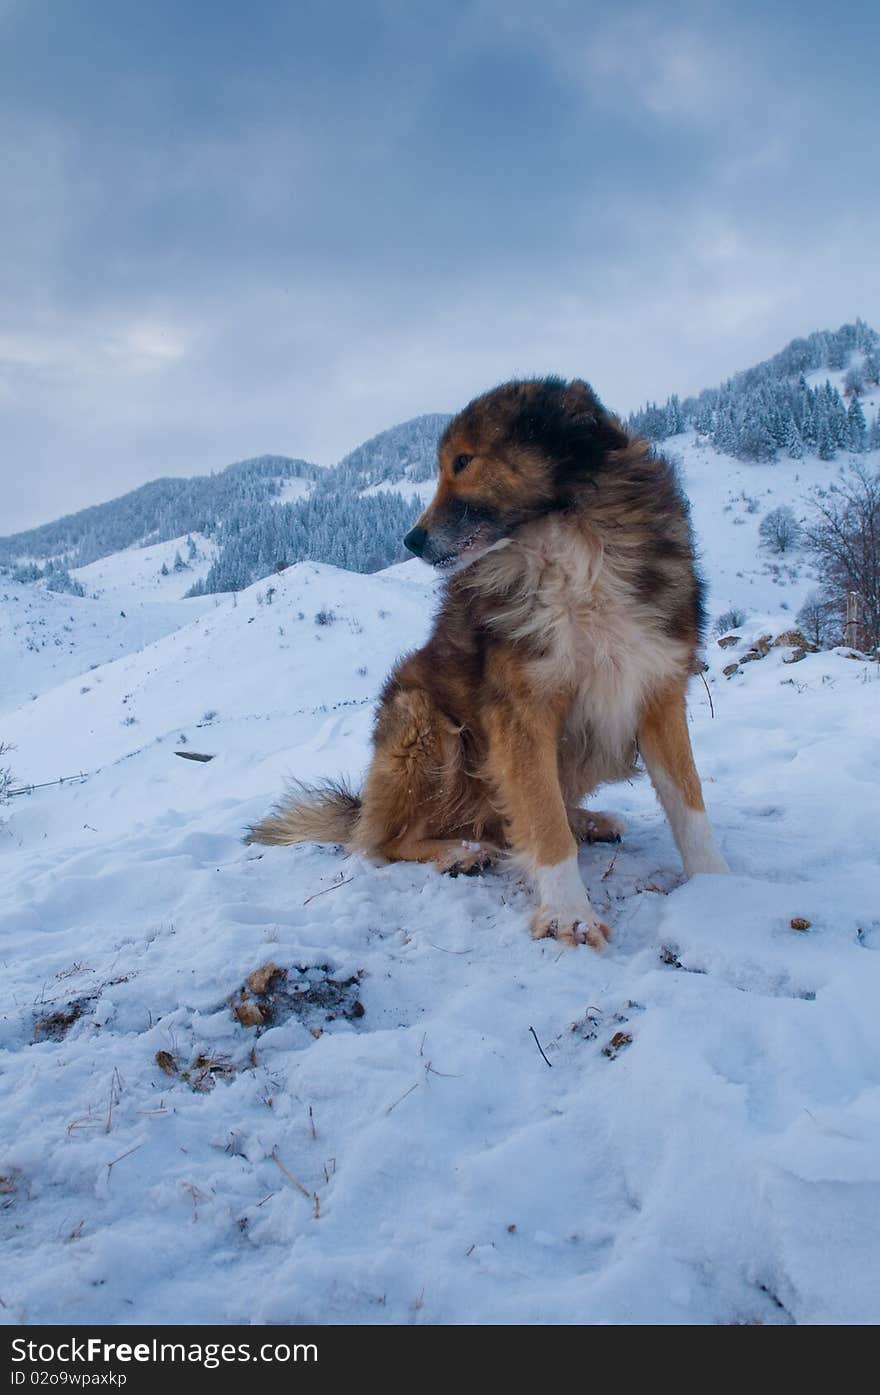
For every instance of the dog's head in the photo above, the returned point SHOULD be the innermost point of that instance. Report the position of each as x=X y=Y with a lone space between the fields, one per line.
x=515 y=453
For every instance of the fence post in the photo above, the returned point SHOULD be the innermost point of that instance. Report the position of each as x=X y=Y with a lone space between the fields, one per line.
x=850 y=633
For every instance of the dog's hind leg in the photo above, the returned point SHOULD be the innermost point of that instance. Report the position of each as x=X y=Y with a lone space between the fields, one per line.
x=455 y=856
x=413 y=798
x=591 y=826
x=665 y=744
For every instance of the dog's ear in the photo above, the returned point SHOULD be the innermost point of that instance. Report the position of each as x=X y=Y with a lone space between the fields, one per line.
x=579 y=402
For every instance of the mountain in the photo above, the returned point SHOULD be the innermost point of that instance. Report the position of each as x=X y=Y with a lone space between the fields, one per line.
x=814 y=398
x=162 y=509
x=404 y=454
x=258 y=514
x=785 y=405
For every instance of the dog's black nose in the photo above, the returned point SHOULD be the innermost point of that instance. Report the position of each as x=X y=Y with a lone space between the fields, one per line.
x=415 y=540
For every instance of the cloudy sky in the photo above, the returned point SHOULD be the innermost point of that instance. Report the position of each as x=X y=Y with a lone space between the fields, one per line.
x=229 y=228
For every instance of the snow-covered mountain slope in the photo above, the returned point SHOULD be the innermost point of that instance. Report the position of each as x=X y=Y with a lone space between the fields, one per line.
x=294 y=489
x=164 y=571
x=702 y=1146
x=729 y=498
x=47 y=638
x=410 y=489
x=313 y=638
x=406 y=453
x=160 y=510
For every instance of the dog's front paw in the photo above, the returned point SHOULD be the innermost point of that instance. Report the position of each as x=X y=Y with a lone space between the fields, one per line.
x=570 y=928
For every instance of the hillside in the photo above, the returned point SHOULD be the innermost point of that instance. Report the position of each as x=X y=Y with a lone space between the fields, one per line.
x=46 y=639
x=156 y=512
x=404 y=455
x=793 y=404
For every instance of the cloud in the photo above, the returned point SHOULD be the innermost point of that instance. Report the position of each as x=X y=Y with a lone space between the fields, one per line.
x=229 y=233
x=108 y=353
x=675 y=72
x=666 y=62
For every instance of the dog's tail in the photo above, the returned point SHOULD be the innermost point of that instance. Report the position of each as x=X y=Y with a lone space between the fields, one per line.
x=324 y=813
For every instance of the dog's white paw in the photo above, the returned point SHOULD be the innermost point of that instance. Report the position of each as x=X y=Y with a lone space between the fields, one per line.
x=570 y=927
x=564 y=911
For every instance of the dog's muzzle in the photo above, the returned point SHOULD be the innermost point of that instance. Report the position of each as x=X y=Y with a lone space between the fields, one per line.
x=415 y=540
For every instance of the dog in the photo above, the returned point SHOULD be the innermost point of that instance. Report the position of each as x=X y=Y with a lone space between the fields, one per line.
x=571 y=614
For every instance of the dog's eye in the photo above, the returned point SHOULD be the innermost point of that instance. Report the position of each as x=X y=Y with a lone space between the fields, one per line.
x=461 y=462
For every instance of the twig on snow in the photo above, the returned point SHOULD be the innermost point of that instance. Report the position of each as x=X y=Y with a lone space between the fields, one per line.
x=112 y=1164
x=403 y=1097
x=610 y=868
x=324 y=890
x=540 y=1047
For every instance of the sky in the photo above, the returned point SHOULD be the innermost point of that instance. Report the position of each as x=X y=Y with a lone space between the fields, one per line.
x=228 y=229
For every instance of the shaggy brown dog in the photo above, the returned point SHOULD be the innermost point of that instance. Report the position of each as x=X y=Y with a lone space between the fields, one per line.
x=567 y=631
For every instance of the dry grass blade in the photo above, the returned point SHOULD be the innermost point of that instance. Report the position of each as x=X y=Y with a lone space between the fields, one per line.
x=610 y=868
x=324 y=890
x=289 y=1175
x=403 y=1097
x=111 y=1165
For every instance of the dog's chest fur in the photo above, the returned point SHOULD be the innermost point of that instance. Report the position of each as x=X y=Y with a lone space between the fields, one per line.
x=558 y=592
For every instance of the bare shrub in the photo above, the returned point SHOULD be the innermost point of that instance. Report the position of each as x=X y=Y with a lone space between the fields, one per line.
x=780 y=530
x=819 y=621
x=729 y=620
x=844 y=538
x=7 y=779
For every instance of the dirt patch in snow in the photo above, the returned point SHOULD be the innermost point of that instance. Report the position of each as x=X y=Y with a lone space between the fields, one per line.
x=54 y=1026
x=271 y=995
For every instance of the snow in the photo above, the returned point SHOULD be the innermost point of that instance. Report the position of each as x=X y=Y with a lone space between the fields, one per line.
x=292 y=490
x=410 y=489
x=128 y=576
x=47 y=637
x=703 y=1146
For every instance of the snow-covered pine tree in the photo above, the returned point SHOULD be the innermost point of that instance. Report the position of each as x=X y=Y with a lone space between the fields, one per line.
x=794 y=446
x=857 y=429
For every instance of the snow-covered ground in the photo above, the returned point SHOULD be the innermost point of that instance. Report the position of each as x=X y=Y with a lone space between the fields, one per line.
x=293 y=489
x=47 y=637
x=704 y=1145
x=137 y=573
